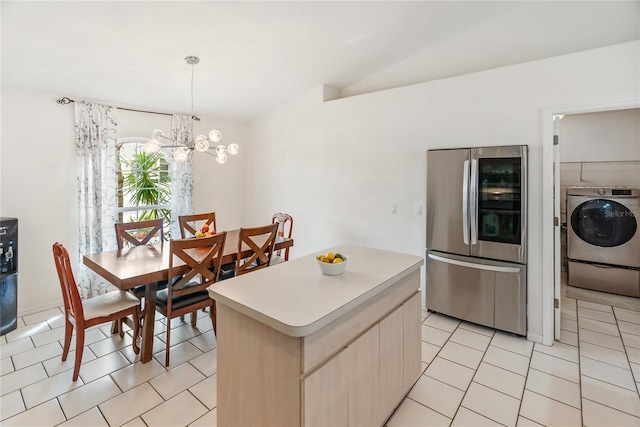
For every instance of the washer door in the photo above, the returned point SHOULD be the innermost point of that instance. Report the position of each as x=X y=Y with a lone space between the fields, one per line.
x=604 y=223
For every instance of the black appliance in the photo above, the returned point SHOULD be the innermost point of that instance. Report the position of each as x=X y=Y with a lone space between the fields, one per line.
x=8 y=274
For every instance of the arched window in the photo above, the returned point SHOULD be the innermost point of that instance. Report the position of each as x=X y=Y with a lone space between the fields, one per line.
x=144 y=184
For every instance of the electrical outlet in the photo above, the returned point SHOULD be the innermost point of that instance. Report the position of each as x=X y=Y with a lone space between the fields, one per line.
x=418 y=210
x=392 y=208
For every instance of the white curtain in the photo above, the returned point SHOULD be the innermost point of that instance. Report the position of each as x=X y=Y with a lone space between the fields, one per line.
x=181 y=175
x=97 y=188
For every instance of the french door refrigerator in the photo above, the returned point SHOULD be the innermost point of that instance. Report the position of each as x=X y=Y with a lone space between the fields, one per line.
x=477 y=235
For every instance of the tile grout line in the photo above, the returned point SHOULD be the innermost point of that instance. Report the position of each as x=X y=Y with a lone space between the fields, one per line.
x=624 y=346
x=475 y=372
x=579 y=367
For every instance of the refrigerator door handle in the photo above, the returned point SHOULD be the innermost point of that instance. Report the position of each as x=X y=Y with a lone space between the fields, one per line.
x=465 y=203
x=495 y=268
x=474 y=205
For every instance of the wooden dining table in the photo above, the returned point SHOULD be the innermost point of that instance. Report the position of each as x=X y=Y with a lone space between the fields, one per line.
x=147 y=265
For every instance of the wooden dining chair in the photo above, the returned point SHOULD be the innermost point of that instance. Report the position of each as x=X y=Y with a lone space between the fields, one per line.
x=80 y=315
x=196 y=262
x=191 y=224
x=139 y=233
x=261 y=241
x=285 y=229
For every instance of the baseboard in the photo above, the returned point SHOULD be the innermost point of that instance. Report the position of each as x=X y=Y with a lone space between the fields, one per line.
x=39 y=308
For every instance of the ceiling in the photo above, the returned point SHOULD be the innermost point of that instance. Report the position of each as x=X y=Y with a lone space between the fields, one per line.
x=254 y=56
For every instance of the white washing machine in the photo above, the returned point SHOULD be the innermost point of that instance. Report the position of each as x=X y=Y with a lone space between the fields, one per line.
x=603 y=239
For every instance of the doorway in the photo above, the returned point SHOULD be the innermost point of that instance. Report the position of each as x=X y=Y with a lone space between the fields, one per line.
x=552 y=200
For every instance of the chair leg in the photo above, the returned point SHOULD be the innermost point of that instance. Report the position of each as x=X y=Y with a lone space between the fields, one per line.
x=212 y=315
x=68 y=331
x=116 y=326
x=79 y=350
x=194 y=318
x=136 y=331
x=168 y=343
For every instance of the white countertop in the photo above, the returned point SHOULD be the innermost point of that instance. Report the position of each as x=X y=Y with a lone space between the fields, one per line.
x=295 y=298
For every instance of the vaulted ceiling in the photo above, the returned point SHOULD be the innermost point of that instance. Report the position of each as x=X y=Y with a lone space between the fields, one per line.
x=255 y=56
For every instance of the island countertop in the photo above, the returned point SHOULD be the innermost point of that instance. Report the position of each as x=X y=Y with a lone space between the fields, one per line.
x=296 y=299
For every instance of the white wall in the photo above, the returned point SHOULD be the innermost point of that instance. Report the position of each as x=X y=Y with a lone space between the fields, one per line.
x=599 y=149
x=337 y=166
x=38 y=182
x=38 y=186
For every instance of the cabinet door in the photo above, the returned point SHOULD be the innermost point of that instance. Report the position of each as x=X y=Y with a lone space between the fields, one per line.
x=391 y=360
x=412 y=341
x=325 y=394
x=364 y=380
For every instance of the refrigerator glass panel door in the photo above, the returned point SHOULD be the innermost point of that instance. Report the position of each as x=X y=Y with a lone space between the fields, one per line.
x=447 y=201
x=499 y=200
x=498 y=192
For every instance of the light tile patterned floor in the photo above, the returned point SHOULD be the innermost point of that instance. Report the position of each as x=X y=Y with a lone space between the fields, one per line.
x=472 y=376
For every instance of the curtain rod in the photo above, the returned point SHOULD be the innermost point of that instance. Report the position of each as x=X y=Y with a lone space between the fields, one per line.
x=66 y=100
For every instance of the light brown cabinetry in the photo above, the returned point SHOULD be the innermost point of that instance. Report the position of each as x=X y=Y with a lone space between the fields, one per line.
x=369 y=375
x=353 y=371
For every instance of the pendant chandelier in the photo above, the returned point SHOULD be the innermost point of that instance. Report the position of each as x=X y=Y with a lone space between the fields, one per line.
x=204 y=144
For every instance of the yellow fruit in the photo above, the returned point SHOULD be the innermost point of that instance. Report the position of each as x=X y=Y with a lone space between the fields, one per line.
x=319 y=257
x=330 y=255
x=199 y=234
x=337 y=260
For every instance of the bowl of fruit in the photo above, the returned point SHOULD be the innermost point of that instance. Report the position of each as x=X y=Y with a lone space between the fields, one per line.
x=204 y=231
x=332 y=264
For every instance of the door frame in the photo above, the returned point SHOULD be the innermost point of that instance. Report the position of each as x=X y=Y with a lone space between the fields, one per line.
x=551 y=276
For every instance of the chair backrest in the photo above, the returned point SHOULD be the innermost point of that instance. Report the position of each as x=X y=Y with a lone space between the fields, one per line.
x=285 y=229
x=138 y=233
x=260 y=240
x=193 y=223
x=70 y=294
x=200 y=266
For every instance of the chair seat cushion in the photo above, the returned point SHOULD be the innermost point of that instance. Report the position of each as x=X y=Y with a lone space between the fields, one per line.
x=227 y=271
x=162 y=298
x=107 y=304
x=138 y=291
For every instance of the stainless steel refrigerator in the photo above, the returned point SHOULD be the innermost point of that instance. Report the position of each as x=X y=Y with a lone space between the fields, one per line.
x=477 y=235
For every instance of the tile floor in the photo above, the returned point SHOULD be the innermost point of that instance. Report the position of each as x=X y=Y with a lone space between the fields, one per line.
x=472 y=376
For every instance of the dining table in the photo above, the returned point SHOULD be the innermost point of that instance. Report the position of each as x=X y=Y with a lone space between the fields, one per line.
x=147 y=265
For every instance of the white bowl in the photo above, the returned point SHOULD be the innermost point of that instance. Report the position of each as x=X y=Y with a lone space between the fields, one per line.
x=333 y=269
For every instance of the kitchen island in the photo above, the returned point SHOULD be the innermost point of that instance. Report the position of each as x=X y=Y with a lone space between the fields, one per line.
x=298 y=348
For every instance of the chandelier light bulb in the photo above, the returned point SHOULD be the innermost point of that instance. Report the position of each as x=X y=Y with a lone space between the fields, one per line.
x=180 y=155
x=157 y=134
x=221 y=158
x=233 y=149
x=202 y=144
x=215 y=135
x=152 y=146
x=221 y=149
